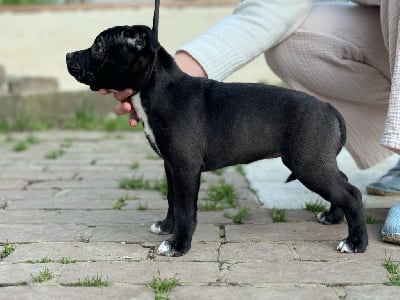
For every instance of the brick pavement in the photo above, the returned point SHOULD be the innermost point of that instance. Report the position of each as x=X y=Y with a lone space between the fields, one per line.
x=64 y=207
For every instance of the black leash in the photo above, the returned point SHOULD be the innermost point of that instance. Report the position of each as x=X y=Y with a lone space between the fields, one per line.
x=155 y=31
x=156 y=18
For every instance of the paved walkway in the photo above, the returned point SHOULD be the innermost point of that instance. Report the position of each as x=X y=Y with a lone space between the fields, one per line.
x=64 y=208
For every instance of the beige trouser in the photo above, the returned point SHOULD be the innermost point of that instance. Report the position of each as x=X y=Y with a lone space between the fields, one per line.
x=339 y=55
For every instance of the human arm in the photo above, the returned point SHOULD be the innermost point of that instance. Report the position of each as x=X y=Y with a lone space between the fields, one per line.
x=254 y=27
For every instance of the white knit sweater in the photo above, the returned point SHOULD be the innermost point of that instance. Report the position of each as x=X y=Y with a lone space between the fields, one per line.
x=230 y=45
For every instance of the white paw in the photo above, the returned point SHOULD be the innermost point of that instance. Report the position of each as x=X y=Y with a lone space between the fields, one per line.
x=155 y=228
x=165 y=249
x=344 y=247
x=322 y=219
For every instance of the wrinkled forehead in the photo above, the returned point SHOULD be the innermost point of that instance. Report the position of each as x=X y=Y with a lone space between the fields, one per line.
x=113 y=35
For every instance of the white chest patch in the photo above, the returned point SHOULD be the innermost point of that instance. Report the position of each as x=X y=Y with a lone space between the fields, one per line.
x=137 y=104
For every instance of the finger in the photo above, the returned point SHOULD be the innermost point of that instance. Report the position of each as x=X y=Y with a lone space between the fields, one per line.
x=123 y=95
x=133 y=119
x=104 y=92
x=123 y=108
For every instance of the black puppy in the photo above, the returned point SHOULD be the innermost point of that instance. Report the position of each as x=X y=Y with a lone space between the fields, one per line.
x=199 y=125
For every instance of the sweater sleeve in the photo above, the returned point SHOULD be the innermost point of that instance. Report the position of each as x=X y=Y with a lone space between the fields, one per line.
x=254 y=27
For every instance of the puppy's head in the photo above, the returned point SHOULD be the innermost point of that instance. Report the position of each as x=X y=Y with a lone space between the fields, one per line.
x=120 y=57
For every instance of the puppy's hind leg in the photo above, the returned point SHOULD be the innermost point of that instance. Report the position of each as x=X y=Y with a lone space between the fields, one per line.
x=334 y=215
x=326 y=180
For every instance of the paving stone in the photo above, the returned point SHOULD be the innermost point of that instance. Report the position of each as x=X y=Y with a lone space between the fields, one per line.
x=132 y=233
x=16 y=273
x=74 y=184
x=262 y=251
x=78 y=251
x=12 y=184
x=59 y=204
x=285 y=231
x=142 y=272
x=326 y=273
x=21 y=233
x=102 y=217
x=372 y=292
x=270 y=292
x=45 y=292
x=36 y=176
x=26 y=216
x=324 y=251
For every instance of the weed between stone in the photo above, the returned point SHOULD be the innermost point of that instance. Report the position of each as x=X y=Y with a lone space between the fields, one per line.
x=7 y=250
x=278 y=215
x=138 y=183
x=218 y=197
x=63 y=260
x=91 y=281
x=238 y=218
x=393 y=271
x=141 y=206
x=317 y=206
x=162 y=287
x=24 y=145
x=372 y=220
x=82 y=119
x=44 y=275
x=121 y=202
x=54 y=154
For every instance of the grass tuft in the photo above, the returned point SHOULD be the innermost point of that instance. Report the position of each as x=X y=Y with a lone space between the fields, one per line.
x=393 y=271
x=138 y=183
x=7 y=250
x=315 y=207
x=93 y=281
x=54 y=154
x=44 y=275
x=278 y=215
x=372 y=220
x=162 y=287
x=66 y=261
x=238 y=218
x=219 y=196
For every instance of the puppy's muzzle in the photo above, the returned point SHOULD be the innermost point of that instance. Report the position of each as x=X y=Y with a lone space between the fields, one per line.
x=73 y=65
x=78 y=66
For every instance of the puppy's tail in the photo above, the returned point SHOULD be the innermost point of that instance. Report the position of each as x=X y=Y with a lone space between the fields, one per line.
x=290 y=178
x=342 y=126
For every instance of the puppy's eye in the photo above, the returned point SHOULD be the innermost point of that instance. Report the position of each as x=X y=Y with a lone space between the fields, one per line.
x=97 y=50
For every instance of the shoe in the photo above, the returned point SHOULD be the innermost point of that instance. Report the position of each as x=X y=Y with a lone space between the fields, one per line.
x=388 y=184
x=391 y=229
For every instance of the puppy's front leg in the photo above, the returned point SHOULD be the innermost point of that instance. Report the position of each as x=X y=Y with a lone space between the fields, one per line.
x=186 y=184
x=167 y=225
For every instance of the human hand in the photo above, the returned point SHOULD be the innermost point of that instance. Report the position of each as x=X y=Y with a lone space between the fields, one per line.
x=125 y=105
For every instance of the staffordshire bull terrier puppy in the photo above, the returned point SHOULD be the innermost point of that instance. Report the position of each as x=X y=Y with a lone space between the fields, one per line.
x=197 y=125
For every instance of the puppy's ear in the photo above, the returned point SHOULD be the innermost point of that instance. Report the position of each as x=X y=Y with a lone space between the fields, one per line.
x=142 y=37
x=138 y=41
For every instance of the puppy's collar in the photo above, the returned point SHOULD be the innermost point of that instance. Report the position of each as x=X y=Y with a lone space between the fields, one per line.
x=146 y=80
